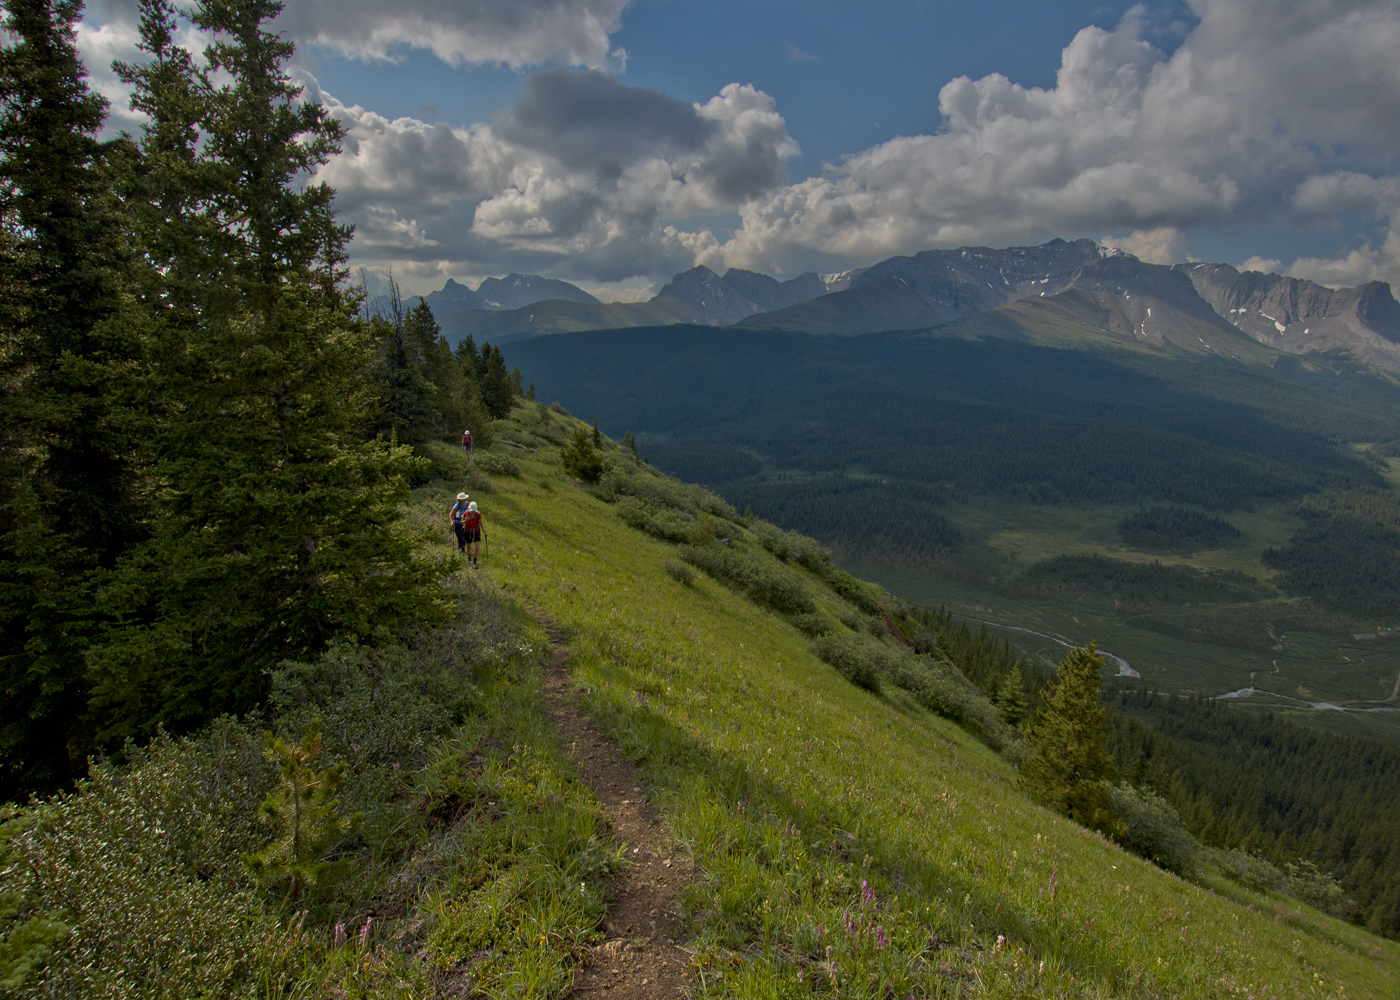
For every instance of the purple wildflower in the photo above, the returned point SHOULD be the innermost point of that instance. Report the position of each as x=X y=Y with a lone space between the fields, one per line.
x=880 y=940
x=364 y=932
x=339 y=934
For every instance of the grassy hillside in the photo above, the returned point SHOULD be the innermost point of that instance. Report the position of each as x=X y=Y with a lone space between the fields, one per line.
x=848 y=842
x=793 y=787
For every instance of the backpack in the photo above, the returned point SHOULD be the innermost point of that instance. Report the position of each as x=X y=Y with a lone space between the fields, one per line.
x=471 y=520
x=457 y=513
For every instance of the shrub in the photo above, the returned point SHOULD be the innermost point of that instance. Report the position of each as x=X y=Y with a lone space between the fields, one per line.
x=861 y=661
x=703 y=533
x=1307 y=883
x=1151 y=828
x=853 y=590
x=790 y=546
x=558 y=408
x=812 y=624
x=663 y=522
x=869 y=663
x=659 y=490
x=496 y=465
x=680 y=572
x=764 y=583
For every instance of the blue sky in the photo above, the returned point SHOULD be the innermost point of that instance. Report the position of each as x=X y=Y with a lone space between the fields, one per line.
x=612 y=143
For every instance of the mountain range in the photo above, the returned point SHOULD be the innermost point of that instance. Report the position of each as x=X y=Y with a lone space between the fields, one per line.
x=1197 y=307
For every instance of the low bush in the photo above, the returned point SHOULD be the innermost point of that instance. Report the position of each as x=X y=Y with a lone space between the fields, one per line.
x=663 y=522
x=870 y=664
x=790 y=546
x=861 y=661
x=658 y=490
x=765 y=583
x=855 y=591
x=1151 y=828
x=680 y=572
x=1302 y=881
x=812 y=624
x=496 y=465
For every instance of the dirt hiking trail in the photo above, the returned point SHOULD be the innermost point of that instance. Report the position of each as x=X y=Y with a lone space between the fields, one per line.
x=639 y=959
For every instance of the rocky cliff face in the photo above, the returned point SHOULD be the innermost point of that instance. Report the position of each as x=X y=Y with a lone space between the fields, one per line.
x=516 y=291
x=972 y=280
x=1301 y=317
x=738 y=294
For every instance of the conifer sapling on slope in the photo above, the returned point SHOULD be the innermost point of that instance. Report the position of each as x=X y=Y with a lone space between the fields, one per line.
x=302 y=810
x=582 y=459
x=1069 y=768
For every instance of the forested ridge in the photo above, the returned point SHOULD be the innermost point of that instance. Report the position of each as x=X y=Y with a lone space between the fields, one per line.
x=1272 y=788
x=204 y=443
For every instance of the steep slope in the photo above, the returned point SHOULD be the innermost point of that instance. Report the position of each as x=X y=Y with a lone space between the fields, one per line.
x=1301 y=317
x=839 y=834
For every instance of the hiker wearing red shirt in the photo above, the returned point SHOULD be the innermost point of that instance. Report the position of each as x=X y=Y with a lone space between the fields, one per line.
x=471 y=532
x=467 y=443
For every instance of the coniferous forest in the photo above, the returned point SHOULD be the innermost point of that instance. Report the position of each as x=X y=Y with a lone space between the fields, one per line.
x=205 y=436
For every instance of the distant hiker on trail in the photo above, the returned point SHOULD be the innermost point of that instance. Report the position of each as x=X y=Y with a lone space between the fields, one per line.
x=471 y=531
x=467 y=443
x=459 y=510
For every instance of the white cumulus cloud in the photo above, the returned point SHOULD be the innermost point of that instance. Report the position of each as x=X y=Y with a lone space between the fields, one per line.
x=518 y=33
x=1227 y=131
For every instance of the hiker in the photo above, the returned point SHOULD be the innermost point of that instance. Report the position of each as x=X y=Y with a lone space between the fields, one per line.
x=467 y=443
x=459 y=510
x=471 y=531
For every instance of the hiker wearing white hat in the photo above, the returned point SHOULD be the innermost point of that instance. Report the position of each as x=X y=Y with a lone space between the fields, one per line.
x=458 y=510
x=471 y=530
x=467 y=445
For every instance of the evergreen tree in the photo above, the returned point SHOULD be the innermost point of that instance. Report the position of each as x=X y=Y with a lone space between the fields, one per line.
x=456 y=404
x=279 y=523
x=1011 y=699
x=1069 y=767
x=581 y=458
x=497 y=388
x=405 y=409
x=69 y=448
x=304 y=814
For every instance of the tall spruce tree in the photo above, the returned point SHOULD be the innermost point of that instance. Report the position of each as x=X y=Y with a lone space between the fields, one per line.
x=69 y=498
x=280 y=523
x=404 y=405
x=1069 y=768
x=497 y=388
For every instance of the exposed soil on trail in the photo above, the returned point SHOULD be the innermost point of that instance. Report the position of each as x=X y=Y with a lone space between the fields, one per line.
x=640 y=957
